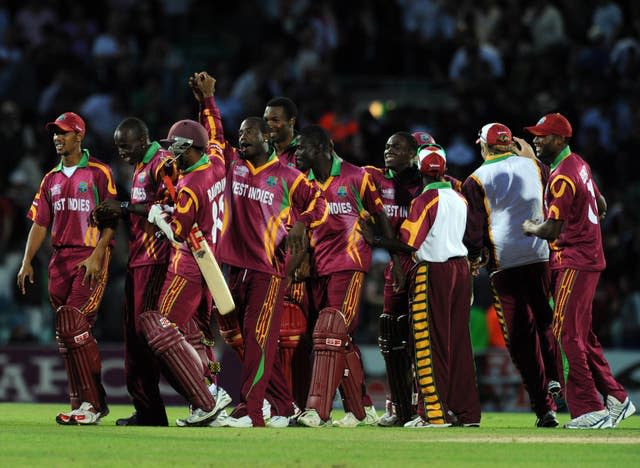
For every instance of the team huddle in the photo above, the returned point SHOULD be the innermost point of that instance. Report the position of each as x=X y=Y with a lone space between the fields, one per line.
x=293 y=227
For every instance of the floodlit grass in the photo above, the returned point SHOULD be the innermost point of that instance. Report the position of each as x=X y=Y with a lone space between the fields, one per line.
x=29 y=436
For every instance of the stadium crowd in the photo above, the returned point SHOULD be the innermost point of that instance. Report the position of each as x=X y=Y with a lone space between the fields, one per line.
x=361 y=73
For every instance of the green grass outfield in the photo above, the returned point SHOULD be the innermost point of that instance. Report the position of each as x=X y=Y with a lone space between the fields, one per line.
x=29 y=436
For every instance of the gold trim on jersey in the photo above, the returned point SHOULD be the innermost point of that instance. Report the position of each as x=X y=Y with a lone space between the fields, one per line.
x=111 y=187
x=266 y=312
x=352 y=297
x=96 y=295
x=564 y=293
x=558 y=192
x=171 y=295
x=413 y=227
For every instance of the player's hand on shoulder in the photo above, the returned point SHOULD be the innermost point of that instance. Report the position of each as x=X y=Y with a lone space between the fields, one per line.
x=523 y=148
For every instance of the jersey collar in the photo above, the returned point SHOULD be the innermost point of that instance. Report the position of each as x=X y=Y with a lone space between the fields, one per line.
x=204 y=159
x=153 y=149
x=494 y=158
x=561 y=157
x=437 y=185
x=336 y=164
x=84 y=161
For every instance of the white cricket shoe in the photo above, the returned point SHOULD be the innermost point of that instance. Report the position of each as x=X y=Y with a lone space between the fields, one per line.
x=388 y=420
x=419 y=423
x=371 y=418
x=277 y=422
x=86 y=414
x=220 y=420
x=266 y=409
x=349 y=420
x=593 y=420
x=65 y=418
x=311 y=418
x=619 y=411
x=244 y=421
x=223 y=399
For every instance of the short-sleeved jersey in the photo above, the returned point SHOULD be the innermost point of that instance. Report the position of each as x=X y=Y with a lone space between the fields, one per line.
x=337 y=244
x=64 y=204
x=147 y=187
x=199 y=189
x=571 y=196
x=502 y=193
x=288 y=156
x=397 y=191
x=436 y=224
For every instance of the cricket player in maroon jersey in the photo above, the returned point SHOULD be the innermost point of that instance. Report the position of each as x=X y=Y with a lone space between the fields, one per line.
x=574 y=207
x=78 y=268
x=185 y=297
x=261 y=193
x=398 y=183
x=504 y=191
x=278 y=405
x=441 y=289
x=147 y=266
x=294 y=343
x=340 y=259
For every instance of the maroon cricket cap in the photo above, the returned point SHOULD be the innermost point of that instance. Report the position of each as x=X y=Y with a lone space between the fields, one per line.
x=552 y=124
x=495 y=134
x=190 y=130
x=432 y=159
x=423 y=138
x=69 y=122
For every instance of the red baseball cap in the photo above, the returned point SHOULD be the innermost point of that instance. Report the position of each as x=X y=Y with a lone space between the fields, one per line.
x=423 y=138
x=495 y=134
x=552 y=124
x=189 y=130
x=432 y=159
x=69 y=122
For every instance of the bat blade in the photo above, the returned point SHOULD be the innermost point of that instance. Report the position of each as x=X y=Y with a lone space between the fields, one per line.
x=211 y=271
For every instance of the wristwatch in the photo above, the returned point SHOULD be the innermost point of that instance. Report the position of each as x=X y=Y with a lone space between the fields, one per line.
x=124 y=208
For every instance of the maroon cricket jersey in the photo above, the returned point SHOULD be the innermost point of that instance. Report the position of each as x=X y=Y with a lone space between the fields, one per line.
x=288 y=155
x=338 y=244
x=259 y=202
x=397 y=191
x=65 y=203
x=199 y=192
x=571 y=196
x=147 y=187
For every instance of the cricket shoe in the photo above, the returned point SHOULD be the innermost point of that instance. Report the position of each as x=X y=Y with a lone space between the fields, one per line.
x=200 y=417
x=277 y=422
x=419 y=423
x=388 y=420
x=371 y=418
x=619 y=411
x=87 y=414
x=548 y=419
x=349 y=420
x=244 y=421
x=593 y=420
x=311 y=418
x=65 y=419
x=223 y=399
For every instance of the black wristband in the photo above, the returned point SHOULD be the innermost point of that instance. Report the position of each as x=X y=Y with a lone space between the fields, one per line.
x=377 y=240
x=124 y=208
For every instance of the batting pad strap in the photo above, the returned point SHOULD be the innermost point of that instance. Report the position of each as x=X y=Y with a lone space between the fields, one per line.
x=82 y=356
x=178 y=358
x=433 y=408
x=330 y=339
x=352 y=383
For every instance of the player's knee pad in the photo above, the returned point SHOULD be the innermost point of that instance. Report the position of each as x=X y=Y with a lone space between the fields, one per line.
x=330 y=339
x=230 y=331
x=78 y=345
x=178 y=357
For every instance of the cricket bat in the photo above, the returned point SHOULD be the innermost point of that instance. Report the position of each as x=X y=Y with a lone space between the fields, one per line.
x=210 y=271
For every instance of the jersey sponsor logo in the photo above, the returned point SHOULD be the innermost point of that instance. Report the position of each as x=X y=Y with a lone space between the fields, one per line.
x=56 y=190
x=342 y=191
x=340 y=208
x=388 y=193
x=83 y=187
x=253 y=193
x=141 y=177
x=241 y=171
x=72 y=204
x=138 y=194
x=271 y=181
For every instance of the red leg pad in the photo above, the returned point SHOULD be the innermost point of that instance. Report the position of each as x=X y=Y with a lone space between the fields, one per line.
x=330 y=339
x=74 y=384
x=178 y=358
x=294 y=349
x=83 y=357
x=352 y=384
x=194 y=336
x=230 y=331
